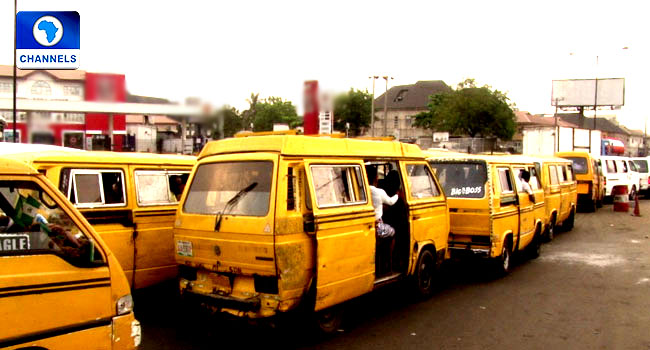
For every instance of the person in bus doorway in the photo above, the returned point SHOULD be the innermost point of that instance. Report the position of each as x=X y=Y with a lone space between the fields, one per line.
x=524 y=175
x=384 y=232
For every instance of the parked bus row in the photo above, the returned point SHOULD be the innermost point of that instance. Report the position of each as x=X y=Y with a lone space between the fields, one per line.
x=260 y=226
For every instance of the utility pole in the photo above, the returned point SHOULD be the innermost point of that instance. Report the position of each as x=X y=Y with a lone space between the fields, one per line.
x=556 y=139
x=14 y=98
x=372 y=106
x=645 y=137
x=595 y=103
x=386 y=106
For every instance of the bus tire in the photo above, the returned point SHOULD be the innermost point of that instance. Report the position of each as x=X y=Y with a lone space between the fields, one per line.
x=425 y=271
x=535 y=247
x=550 y=230
x=328 y=321
x=504 y=261
x=569 y=223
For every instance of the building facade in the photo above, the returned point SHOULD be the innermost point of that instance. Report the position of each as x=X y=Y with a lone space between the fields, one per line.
x=402 y=104
x=76 y=130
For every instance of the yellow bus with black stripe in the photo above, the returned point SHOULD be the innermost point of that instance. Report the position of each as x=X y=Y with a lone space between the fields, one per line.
x=491 y=212
x=129 y=198
x=271 y=223
x=60 y=285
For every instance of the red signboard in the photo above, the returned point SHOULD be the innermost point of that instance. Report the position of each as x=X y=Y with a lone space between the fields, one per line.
x=310 y=117
x=104 y=87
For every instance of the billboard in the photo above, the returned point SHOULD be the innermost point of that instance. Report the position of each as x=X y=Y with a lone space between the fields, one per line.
x=582 y=92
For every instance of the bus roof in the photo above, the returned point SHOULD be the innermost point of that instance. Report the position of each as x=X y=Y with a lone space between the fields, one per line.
x=488 y=158
x=300 y=145
x=103 y=157
x=11 y=166
x=573 y=154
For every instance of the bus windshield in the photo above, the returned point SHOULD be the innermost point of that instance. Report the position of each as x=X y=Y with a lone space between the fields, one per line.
x=216 y=186
x=579 y=164
x=461 y=179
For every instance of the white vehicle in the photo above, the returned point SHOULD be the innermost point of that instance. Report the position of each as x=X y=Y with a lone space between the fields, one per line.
x=620 y=171
x=642 y=166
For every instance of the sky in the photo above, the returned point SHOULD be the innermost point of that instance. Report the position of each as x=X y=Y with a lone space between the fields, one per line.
x=222 y=51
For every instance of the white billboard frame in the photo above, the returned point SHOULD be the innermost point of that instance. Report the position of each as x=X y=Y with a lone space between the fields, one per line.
x=581 y=92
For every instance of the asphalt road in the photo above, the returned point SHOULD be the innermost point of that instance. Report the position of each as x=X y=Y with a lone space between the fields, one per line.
x=590 y=289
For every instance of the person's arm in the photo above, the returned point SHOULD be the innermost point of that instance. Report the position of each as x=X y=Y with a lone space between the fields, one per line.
x=387 y=200
x=529 y=190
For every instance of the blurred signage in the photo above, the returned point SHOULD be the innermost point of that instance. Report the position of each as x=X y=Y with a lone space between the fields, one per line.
x=325 y=123
x=105 y=87
x=47 y=40
x=310 y=98
x=440 y=136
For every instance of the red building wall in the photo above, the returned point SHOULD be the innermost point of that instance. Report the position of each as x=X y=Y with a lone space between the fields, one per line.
x=106 y=88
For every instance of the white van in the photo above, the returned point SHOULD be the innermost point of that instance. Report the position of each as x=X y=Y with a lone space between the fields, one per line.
x=644 y=174
x=620 y=171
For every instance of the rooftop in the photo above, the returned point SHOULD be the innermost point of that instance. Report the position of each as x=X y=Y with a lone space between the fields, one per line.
x=602 y=124
x=145 y=99
x=8 y=71
x=414 y=96
x=65 y=155
x=526 y=119
x=153 y=119
x=300 y=145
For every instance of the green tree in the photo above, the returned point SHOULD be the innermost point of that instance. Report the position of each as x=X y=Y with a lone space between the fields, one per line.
x=248 y=116
x=274 y=110
x=352 y=107
x=227 y=118
x=470 y=110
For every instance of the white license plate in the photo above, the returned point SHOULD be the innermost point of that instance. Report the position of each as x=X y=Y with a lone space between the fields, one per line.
x=184 y=248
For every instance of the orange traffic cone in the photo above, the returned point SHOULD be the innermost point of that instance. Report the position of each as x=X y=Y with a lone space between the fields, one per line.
x=637 y=211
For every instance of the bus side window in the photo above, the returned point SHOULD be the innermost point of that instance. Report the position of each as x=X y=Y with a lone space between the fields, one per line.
x=552 y=170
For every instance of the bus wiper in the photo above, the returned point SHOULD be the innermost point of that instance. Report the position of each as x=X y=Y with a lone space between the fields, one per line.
x=231 y=203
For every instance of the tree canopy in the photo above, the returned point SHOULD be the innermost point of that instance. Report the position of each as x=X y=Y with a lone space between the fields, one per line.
x=470 y=110
x=352 y=107
x=231 y=119
x=264 y=113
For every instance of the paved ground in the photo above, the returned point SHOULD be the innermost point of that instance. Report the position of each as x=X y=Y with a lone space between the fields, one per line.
x=590 y=289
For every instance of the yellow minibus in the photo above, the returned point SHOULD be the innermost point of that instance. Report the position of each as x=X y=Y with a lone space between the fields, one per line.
x=493 y=214
x=560 y=193
x=589 y=176
x=60 y=285
x=272 y=223
x=129 y=198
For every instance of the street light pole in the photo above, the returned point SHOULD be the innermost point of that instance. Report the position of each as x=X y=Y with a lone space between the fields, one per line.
x=386 y=106
x=556 y=139
x=14 y=97
x=595 y=103
x=372 y=106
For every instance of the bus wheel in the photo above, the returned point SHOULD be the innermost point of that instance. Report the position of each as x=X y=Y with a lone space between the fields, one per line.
x=568 y=224
x=535 y=246
x=425 y=274
x=503 y=262
x=329 y=320
x=550 y=230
